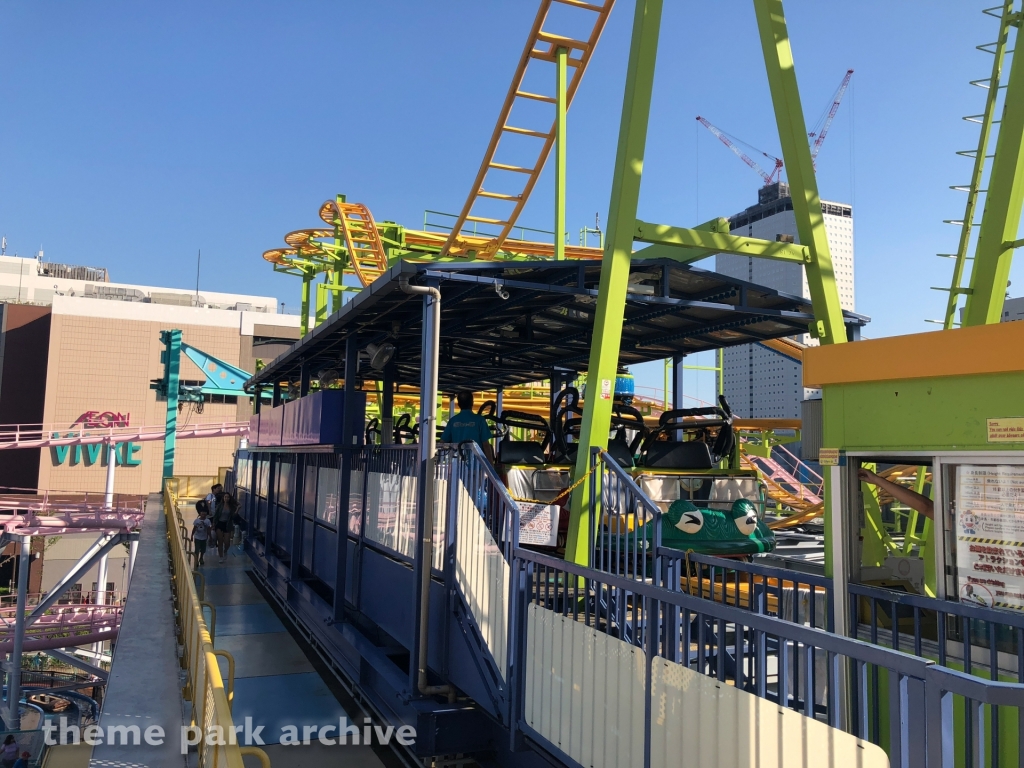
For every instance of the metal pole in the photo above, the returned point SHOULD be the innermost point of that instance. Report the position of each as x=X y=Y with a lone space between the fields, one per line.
x=387 y=406
x=108 y=496
x=133 y=550
x=720 y=374
x=101 y=581
x=101 y=596
x=499 y=402
x=431 y=344
x=561 y=56
x=604 y=356
x=14 y=674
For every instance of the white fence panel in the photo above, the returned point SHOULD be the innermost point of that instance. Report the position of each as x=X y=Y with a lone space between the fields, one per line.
x=697 y=720
x=483 y=576
x=584 y=691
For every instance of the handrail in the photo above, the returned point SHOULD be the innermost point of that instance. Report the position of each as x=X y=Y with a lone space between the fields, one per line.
x=211 y=701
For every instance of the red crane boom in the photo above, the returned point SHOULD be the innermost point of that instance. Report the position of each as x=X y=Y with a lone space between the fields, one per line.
x=769 y=178
x=820 y=137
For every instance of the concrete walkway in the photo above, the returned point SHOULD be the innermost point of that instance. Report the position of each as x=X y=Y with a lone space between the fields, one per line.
x=275 y=683
x=144 y=688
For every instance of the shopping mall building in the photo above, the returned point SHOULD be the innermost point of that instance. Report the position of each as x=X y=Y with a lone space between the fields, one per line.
x=76 y=348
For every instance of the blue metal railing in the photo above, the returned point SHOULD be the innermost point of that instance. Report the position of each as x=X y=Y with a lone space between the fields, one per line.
x=836 y=685
x=764 y=631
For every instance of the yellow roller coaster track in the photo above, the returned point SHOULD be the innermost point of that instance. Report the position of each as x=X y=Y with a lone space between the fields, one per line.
x=543 y=46
x=366 y=252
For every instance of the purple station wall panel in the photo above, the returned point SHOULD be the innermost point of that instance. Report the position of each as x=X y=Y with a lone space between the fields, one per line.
x=312 y=420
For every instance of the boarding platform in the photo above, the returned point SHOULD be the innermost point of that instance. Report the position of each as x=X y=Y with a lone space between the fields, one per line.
x=409 y=568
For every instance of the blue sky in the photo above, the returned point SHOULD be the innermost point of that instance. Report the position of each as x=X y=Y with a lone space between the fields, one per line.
x=135 y=133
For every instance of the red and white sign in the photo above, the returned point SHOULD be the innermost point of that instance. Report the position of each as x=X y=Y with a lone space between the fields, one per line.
x=538 y=524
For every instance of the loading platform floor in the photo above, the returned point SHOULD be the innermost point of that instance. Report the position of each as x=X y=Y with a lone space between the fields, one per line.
x=276 y=683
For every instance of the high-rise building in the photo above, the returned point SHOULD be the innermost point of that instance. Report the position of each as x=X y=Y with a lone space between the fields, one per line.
x=759 y=382
x=1013 y=309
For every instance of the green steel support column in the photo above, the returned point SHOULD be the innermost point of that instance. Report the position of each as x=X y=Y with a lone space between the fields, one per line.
x=999 y=222
x=560 y=64
x=974 y=190
x=810 y=224
x=336 y=293
x=172 y=365
x=604 y=355
x=338 y=273
x=304 y=309
x=321 y=302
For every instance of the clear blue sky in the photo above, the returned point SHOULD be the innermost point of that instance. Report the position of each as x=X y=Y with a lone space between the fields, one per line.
x=135 y=133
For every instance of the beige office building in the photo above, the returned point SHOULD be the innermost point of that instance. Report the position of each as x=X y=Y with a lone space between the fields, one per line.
x=76 y=358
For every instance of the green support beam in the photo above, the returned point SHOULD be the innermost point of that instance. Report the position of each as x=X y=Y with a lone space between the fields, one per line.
x=828 y=327
x=604 y=356
x=716 y=240
x=322 y=289
x=560 y=107
x=307 y=278
x=974 y=190
x=998 y=233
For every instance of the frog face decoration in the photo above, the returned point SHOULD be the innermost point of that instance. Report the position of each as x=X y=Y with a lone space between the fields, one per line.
x=736 y=531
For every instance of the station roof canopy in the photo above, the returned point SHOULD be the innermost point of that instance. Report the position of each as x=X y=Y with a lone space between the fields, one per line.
x=546 y=322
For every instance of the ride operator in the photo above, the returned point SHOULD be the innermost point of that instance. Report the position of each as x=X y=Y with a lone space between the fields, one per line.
x=466 y=425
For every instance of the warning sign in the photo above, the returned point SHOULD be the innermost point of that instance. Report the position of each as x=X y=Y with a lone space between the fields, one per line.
x=1006 y=430
x=606 y=389
x=538 y=524
x=828 y=457
x=990 y=535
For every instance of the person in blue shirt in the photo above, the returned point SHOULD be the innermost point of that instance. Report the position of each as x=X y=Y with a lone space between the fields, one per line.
x=466 y=425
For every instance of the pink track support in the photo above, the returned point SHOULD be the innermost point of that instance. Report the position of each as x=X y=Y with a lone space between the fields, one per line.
x=14 y=436
x=808 y=492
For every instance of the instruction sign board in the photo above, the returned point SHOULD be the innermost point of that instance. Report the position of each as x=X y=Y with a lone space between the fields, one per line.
x=990 y=535
x=1006 y=430
x=828 y=457
x=538 y=524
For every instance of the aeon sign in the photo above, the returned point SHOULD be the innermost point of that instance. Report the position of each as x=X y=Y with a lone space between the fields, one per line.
x=96 y=453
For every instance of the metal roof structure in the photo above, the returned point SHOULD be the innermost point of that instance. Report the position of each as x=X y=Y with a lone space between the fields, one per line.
x=506 y=323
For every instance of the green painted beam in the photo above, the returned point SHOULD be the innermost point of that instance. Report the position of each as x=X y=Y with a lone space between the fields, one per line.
x=803 y=186
x=560 y=107
x=974 y=190
x=611 y=304
x=321 y=303
x=304 y=309
x=1001 y=219
x=716 y=241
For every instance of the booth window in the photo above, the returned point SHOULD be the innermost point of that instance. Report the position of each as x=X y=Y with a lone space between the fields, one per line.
x=984 y=519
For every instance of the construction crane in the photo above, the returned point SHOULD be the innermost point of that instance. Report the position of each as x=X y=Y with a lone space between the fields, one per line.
x=826 y=121
x=769 y=178
x=818 y=135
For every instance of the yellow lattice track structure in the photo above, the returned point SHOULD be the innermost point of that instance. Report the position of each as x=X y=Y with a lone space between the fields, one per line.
x=541 y=45
x=900 y=473
x=366 y=252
